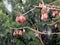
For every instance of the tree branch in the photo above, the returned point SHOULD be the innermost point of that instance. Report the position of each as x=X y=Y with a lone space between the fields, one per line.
x=38 y=32
x=54 y=1
x=29 y=10
x=35 y=31
x=40 y=39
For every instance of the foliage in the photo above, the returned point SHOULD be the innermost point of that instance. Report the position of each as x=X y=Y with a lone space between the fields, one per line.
x=7 y=21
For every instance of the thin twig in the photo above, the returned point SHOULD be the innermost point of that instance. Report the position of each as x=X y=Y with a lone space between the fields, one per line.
x=54 y=1
x=29 y=10
x=53 y=23
x=24 y=13
x=17 y=12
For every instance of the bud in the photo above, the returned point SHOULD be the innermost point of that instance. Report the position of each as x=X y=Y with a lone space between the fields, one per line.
x=20 y=33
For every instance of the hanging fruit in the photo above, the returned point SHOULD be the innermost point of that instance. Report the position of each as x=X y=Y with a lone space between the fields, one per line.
x=23 y=30
x=15 y=33
x=52 y=5
x=20 y=33
x=43 y=10
x=44 y=16
x=20 y=19
x=17 y=19
x=56 y=12
x=59 y=13
x=40 y=5
x=53 y=14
